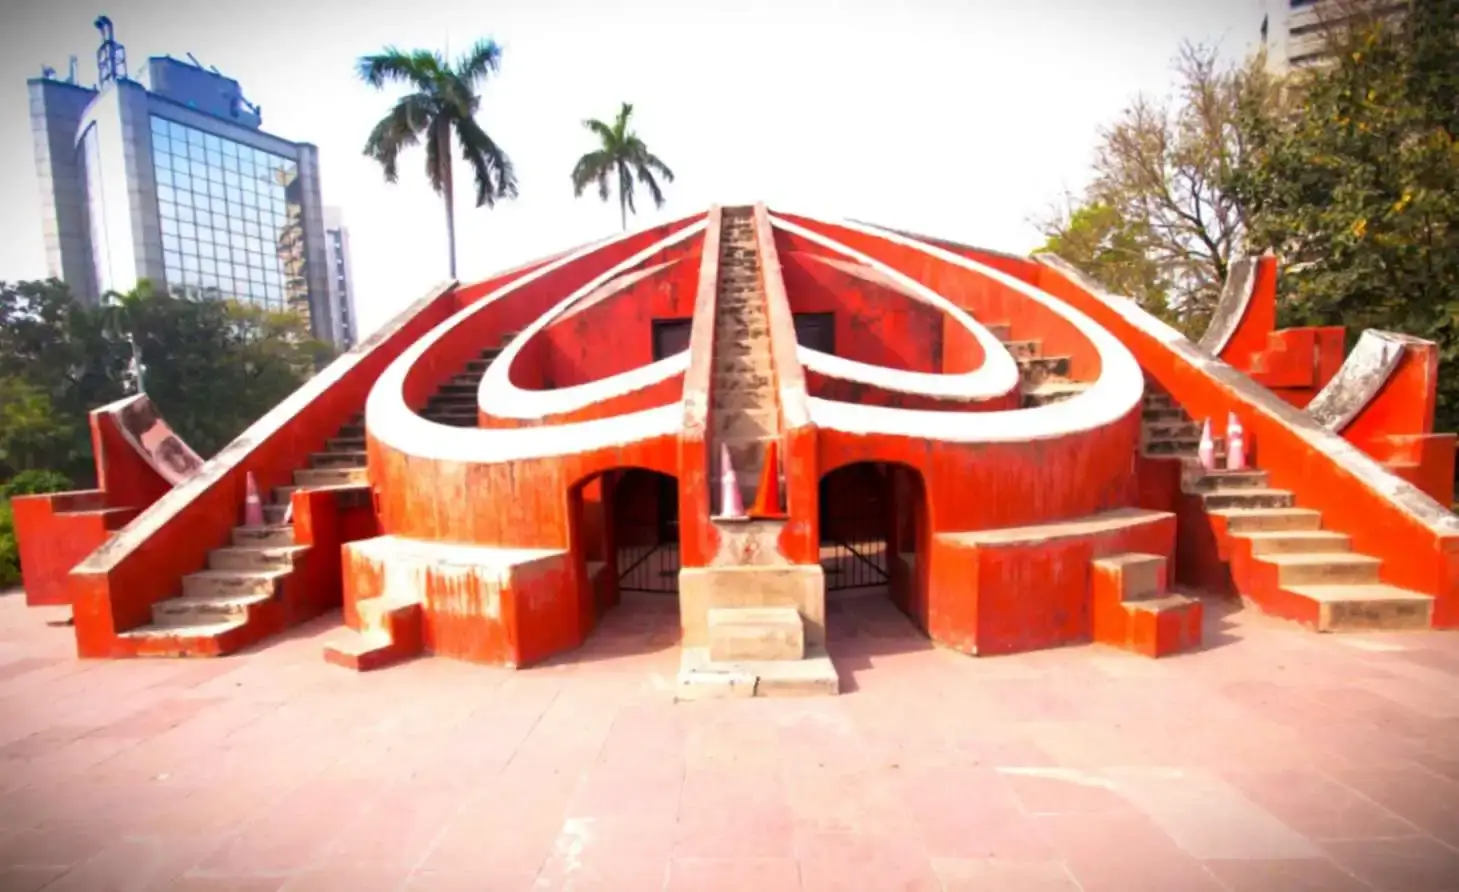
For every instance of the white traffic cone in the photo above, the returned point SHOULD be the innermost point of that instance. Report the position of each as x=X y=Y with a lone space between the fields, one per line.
x=1235 y=444
x=730 y=502
x=1206 y=451
x=252 y=505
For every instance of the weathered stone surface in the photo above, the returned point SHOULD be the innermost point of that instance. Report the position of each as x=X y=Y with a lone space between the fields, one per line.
x=755 y=633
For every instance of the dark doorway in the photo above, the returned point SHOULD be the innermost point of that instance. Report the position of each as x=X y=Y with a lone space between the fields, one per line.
x=670 y=336
x=646 y=530
x=816 y=331
x=856 y=527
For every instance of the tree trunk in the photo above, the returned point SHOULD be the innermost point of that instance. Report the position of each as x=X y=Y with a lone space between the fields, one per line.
x=623 y=208
x=448 y=189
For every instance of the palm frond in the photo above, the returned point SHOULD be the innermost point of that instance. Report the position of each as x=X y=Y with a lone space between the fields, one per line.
x=620 y=126
x=434 y=152
x=495 y=177
x=625 y=187
x=603 y=131
x=484 y=58
x=398 y=130
x=651 y=161
x=646 y=177
x=419 y=68
x=590 y=167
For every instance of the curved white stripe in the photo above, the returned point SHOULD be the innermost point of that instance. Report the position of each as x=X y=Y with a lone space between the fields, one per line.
x=1114 y=395
x=497 y=395
x=391 y=421
x=995 y=378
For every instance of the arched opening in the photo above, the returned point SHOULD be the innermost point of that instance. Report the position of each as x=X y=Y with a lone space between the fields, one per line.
x=645 y=520
x=625 y=538
x=873 y=525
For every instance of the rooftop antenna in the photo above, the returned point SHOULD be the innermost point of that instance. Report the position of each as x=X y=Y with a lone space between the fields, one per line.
x=195 y=60
x=71 y=75
x=111 y=57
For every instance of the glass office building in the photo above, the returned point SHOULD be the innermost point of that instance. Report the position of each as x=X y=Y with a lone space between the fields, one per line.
x=178 y=184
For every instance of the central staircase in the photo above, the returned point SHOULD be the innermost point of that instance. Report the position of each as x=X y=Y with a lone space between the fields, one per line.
x=755 y=622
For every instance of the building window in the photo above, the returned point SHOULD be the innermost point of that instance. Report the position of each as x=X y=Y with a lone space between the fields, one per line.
x=224 y=225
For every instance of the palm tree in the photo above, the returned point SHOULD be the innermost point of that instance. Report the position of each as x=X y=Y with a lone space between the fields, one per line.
x=444 y=102
x=622 y=154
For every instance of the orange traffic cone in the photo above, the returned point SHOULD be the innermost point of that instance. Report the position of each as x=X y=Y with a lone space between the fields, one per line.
x=252 y=505
x=767 y=497
x=730 y=503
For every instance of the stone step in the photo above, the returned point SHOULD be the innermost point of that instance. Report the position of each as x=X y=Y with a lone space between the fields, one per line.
x=1334 y=568
x=1248 y=498
x=1172 y=429
x=345 y=444
x=725 y=400
x=1367 y=608
x=701 y=678
x=1226 y=481
x=203 y=639
x=456 y=390
x=1164 y=603
x=355 y=458
x=330 y=476
x=477 y=367
x=1048 y=393
x=506 y=339
x=275 y=557
x=273 y=515
x=350 y=431
x=208 y=583
x=1025 y=349
x=1252 y=520
x=1180 y=445
x=755 y=633
x=264 y=536
x=1036 y=370
x=1168 y=414
x=1296 y=541
x=191 y=610
x=752 y=423
x=467 y=379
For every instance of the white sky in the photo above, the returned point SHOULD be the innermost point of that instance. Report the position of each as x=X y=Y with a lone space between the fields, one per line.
x=961 y=118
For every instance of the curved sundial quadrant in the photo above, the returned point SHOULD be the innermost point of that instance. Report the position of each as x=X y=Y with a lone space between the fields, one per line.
x=744 y=415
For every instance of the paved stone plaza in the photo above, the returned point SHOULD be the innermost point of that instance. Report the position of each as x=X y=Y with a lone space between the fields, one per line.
x=1272 y=759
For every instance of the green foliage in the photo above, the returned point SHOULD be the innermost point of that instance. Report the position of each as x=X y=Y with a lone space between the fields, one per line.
x=621 y=157
x=24 y=483
x=444 y=104
x=1358 y=190
x=1113 y=250
x=212 y=368
x=1157 y=222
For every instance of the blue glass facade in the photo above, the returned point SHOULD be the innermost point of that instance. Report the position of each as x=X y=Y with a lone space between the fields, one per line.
x=229 y=215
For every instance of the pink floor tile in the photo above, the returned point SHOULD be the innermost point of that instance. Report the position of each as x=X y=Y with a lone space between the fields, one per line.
x=734 y=875
x=273 y=770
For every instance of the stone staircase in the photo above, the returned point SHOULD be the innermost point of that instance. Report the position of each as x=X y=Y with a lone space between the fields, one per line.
x=1281 y=557
x=744 y=409
x=1132 y=607
x=454 y=403
x=1042 y=379
x=244 y=583
x=746 y=614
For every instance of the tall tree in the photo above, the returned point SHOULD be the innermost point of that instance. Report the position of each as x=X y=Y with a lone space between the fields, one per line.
x=621 y=156
x=1358 y=190
x=444 y=104
x=1159 y=187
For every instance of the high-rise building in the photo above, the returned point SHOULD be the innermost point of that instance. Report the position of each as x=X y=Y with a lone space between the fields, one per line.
x=1295 y=31
x=177 y=183
x=341 y=280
